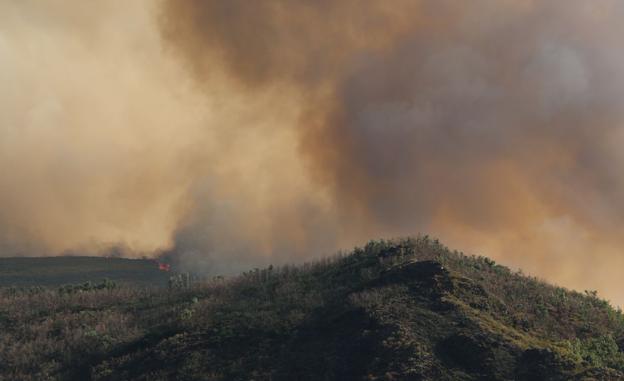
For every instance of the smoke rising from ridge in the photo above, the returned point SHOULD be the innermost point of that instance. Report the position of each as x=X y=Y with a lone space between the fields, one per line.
x=494 y=124
x=237 y=133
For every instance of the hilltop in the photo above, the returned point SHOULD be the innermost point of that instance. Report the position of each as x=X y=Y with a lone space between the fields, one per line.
x=393 y=310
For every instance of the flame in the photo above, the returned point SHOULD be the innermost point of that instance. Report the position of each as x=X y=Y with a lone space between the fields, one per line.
x=164 y=266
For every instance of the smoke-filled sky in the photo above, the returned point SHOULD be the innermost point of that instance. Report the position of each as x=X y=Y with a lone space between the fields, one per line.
x=236 y=133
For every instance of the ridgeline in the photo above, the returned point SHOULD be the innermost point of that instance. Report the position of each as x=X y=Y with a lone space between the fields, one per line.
x=394 y=310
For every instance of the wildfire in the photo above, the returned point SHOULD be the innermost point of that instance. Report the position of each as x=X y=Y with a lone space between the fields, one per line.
x=164 y=266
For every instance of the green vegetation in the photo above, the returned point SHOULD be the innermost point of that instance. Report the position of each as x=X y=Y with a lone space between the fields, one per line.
x=393 y=310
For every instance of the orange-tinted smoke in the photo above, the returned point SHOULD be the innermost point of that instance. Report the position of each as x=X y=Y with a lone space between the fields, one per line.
x=236 y=133
x=496 y=125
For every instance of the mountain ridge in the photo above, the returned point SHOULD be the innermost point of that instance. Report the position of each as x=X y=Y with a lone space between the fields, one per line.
x=407 y=309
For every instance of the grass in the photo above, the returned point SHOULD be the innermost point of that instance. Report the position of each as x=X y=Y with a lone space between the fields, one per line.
x=393 y=310
x=56 y=271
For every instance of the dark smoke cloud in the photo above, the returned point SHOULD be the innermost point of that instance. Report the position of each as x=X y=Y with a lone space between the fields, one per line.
x=496 y=124
x=264 y=43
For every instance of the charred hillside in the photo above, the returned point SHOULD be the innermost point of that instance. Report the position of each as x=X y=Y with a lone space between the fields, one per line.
x=400 y=310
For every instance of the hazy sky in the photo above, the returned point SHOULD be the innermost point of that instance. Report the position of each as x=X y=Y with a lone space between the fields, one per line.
x=236 y=133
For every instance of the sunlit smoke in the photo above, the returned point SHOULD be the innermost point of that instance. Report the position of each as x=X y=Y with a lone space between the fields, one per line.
x=233 y=133
x=494 y=124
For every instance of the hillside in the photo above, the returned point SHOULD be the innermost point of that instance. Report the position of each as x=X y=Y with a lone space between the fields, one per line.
x=57 y=271
x=401 y=310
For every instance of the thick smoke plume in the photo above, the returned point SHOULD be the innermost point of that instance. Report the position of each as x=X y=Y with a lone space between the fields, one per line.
x=236 y=133
x=496 y=124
